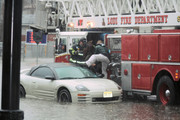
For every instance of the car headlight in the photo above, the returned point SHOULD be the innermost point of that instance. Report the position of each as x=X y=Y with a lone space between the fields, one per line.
x=81 y=88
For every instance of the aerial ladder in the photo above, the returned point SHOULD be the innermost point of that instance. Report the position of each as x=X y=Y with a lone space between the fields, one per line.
x=85 y=14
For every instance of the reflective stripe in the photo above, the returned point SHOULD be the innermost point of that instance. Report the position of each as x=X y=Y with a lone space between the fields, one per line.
x=75 y=61
x=80 y=54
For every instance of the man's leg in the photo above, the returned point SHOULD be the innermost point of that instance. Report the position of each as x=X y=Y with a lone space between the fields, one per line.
x=105 y=61
x=92 y=60
x=100 y=58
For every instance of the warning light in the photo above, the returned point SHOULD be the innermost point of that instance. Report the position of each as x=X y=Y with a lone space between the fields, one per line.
x=126 y=72
x=71 y=25
x=90 y=24
x=176 y=75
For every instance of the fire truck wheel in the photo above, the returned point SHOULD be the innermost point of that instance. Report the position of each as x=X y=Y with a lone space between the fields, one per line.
x=64 y=96
x=177 y=93
x=166 y=91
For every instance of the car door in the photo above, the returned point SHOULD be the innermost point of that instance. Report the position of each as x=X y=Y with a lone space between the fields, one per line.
x=43 y=88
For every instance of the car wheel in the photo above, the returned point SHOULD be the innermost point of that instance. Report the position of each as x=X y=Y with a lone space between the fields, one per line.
x=64 y=96
x=22 y=93
x=166 y=91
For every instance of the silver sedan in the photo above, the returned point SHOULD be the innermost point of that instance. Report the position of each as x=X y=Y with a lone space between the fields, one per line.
x=67 y=82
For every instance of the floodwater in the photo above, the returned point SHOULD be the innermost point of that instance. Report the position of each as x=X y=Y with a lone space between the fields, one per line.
x=35 y=109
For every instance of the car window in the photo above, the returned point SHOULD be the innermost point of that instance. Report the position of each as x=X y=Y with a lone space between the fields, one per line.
x=73 y=72
x=42 y=72
x=61 y=45
x=75 y=40
x=87 y=72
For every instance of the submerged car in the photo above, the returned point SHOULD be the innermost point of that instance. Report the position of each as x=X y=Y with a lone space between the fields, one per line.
x=66 y=82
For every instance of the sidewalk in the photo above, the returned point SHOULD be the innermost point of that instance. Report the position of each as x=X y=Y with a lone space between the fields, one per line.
x=30 y=62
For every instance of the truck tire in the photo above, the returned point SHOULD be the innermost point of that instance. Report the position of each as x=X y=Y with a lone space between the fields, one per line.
x=177 y=94
x=166 y=91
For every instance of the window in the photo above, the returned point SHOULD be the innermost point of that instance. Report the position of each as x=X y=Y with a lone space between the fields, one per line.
x=73 y=72
x=115 y=44
x=87 y=72
x=75 y=40
x=61 y=45
x=42 y=72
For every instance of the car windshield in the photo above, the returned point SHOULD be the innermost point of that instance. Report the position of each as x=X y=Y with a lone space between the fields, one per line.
x=72 y=72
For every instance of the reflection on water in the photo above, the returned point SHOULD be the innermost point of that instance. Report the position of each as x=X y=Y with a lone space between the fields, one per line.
x=130 y=110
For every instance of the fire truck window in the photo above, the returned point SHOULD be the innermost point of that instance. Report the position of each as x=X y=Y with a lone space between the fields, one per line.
x=62 y=45
x=75 y=41
x=115 y=44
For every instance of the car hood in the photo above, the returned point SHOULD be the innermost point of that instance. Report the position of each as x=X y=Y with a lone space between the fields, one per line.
x=94 y=84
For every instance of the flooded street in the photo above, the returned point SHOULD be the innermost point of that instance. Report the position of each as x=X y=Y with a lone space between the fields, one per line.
x=135 y=42
x=35 y=109
x=128 y=110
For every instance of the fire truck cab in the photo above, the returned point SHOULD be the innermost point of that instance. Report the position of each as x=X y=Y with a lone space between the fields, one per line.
x=64 y=41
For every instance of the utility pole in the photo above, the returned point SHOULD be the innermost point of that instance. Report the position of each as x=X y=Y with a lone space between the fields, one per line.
x=11 y=61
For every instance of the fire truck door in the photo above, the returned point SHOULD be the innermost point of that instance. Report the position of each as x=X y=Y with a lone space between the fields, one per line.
x=141 y=76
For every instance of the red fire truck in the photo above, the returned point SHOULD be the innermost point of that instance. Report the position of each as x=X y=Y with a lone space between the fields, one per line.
x=151 y=65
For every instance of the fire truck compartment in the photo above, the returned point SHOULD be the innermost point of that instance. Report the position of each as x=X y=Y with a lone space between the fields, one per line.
x=148 y=47
x=141 y=76
x=130 y=47
x=169 y=48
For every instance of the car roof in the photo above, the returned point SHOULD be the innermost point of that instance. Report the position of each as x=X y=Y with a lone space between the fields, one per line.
x=53 y=65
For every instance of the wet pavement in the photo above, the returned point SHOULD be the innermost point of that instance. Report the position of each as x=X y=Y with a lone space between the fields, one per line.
x=29 y=62
x=131 y=109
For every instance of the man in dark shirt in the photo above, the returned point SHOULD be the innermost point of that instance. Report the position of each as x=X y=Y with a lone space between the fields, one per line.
x=88 y=50
x=101 y=55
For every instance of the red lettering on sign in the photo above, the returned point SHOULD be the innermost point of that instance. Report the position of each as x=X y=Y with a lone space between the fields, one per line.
x=165 y=17
x=112 y=21
x=80 y=22
x=125 y=20
x=151 y=19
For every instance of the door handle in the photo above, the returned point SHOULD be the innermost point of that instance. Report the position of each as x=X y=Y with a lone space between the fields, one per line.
x=139 y=76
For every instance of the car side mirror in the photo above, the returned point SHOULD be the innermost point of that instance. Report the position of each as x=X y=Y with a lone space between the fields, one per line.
x=49 y=77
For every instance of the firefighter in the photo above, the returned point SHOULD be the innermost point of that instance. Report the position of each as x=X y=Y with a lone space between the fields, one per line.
x=101 y=55
x=77 y=52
